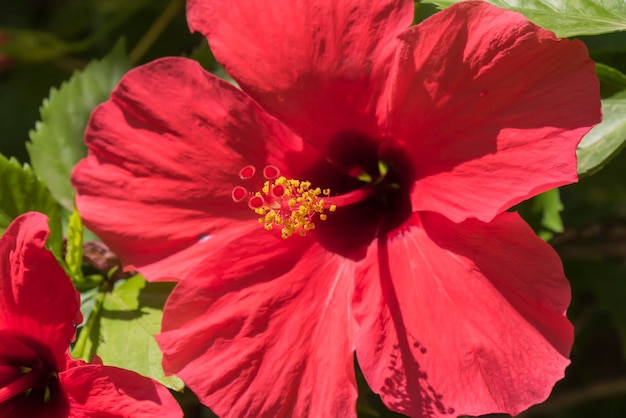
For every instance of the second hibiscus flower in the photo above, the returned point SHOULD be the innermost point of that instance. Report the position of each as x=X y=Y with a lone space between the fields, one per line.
x=39 y=310
x=350 y=197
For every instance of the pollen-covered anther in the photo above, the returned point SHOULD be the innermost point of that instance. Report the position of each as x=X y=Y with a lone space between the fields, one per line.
x=286 y=204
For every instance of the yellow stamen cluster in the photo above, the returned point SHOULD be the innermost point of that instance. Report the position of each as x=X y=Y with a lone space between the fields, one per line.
x=291 y=205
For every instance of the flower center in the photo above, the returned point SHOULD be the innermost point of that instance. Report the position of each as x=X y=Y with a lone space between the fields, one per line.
x=361 y=187
x=293 y=205
x=289 y=204
x=35 y=377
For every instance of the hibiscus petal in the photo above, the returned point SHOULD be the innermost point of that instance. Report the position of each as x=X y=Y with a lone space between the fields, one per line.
x=271 y=339
x=462 y=319
x=318 y=66
x=491 y=108
x=100 y=391
x=164 y=155
x=35 y=293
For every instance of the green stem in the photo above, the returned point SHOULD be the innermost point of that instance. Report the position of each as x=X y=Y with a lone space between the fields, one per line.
x=81 y=342
x=155 y=30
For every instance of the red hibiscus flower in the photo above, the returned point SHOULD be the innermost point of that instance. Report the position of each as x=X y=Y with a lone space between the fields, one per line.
x=39 y=309
x=350 y=197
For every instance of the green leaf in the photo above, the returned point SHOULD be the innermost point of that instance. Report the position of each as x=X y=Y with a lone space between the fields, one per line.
x=21 y=191
x=612 y=81
x=543 y=213
x=57 y=142
x=88 y=300
x=121 y=329
x=565 y=17
x=549 y=205
x=605 y=140
x=74 y=251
